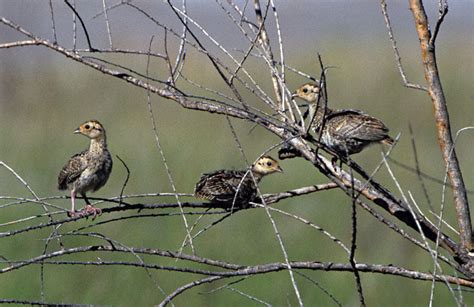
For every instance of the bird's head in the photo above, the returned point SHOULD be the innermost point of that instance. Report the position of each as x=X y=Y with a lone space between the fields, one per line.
x=308 y=92
x=266 y=165
x=92 y=129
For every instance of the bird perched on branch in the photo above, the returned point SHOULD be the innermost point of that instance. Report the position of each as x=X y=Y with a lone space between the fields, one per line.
x=230 y=188
x=344 y=131
x=88 y=170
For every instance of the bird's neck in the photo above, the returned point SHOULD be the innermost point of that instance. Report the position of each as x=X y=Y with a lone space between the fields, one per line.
x=98 y=145
x=317 y=112
x=257 y=175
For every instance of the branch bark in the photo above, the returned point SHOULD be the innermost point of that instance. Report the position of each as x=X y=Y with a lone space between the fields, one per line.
x=441 y=115
x=226 y=269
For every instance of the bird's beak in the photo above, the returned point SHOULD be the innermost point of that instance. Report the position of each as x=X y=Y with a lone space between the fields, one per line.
x=280 y=170
x=294 y=95
x=78 y=130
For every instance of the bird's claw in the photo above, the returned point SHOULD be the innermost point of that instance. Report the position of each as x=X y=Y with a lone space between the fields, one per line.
x=85 y=212
x=91 y=210
x=72 y=214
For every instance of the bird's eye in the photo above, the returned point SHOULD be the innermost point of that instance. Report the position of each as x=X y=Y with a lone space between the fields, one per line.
x=269 y=163
x=87 y=127
x=305 y=90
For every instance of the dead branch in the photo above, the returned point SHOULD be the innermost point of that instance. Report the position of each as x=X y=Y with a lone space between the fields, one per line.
x=274 y=113
x=441 y=115
x=233 y=270
x=398 y=58
x=373 y=192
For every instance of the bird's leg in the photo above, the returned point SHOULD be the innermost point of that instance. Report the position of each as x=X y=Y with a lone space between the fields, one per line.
x=86 y=199
x=346 y=158
x=72 y=213
x=89 y=208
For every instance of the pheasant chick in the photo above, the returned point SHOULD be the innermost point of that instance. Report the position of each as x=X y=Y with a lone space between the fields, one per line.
x=88 y=170
x=345 y=131
x=231 y=188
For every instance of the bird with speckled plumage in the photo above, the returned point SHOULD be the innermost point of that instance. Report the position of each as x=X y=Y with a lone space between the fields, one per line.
x=345 y=131
x=235 y=188
x=88 y=170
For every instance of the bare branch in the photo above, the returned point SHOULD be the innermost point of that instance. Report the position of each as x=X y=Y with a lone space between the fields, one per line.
x=398 y=59
x=265 y=43
x=189 y=40
x=442 y=123
x=443 y=11
x=160 y=149
x=53 y=23
x=354 y=243
x=126 y=179
x=83 y=25
x=18 y=44
x=109 y=32
x=186 y=287
x=273 y=198
x=417 y=167
x=233 y=270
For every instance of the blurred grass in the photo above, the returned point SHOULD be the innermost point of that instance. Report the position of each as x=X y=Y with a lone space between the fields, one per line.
x=44 y=97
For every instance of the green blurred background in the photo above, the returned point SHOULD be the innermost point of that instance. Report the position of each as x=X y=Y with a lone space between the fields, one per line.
x=44 y=97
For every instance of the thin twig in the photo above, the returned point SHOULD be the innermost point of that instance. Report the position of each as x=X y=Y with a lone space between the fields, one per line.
x=190 y=285
x=325 y=291
x=53 y=23
x=126 y=179
x=433 y=254
x=267 y=211
x=398 y=59
x=74 y=28
x=354 y=243
x=83 y=26
x=109 y=32
x=179 y=62
x=322 y=230
x=160 y=149
x=442 y=12
x=417 y=166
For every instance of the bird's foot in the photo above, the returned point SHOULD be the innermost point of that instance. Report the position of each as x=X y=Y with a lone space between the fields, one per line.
x=72 y=214
x=91 y=210
x=85 y=212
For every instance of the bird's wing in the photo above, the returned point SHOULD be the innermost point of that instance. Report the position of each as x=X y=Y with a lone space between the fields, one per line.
x=219 y=185
x=358 y=125
x=71 y=171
